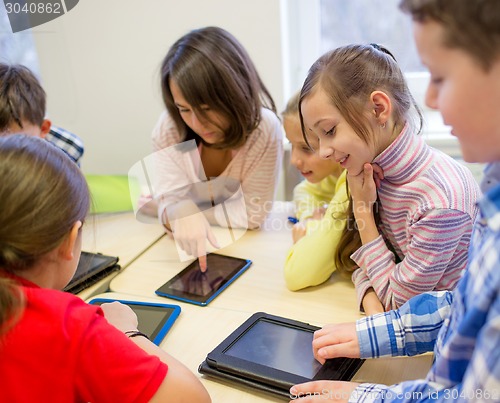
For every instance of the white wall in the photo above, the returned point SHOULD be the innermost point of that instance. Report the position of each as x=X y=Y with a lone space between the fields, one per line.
x=100 y=63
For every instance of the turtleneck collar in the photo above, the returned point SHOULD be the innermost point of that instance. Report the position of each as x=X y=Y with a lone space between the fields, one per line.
x=405 y=158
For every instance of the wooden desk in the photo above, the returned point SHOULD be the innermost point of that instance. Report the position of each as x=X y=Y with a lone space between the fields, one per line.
x=118 y=234
x=198 y=330
x=260 y=288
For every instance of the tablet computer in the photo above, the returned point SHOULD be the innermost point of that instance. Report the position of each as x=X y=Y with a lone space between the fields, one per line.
x=91 y=268
x=155 y=319
x=197 y=287
x=272 y=353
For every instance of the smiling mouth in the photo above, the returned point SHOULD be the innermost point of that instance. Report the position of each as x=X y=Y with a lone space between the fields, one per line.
x=342 y=160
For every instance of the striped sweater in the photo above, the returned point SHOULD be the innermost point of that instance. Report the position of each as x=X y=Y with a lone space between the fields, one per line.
x=427 y=205
x=254 y=168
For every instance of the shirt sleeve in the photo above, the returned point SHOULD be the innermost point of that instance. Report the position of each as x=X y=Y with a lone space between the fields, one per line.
x=170 y=171
x=480 y=383
x=303 y=269
x=308 y=197
x=409 y=330
x=435 y=240
x=111 y=368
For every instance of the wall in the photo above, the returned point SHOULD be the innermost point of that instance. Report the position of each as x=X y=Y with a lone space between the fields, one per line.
x=100 y=62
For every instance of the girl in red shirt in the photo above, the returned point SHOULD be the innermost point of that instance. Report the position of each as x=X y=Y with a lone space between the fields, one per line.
x=53 y=345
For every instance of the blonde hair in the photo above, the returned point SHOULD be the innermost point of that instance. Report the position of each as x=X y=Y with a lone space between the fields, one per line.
x=349 y=75
x=43 y=194
x=292 y=106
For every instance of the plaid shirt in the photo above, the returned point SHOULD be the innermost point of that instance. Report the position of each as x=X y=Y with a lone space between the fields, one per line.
x=66 y=141
x=462 y=327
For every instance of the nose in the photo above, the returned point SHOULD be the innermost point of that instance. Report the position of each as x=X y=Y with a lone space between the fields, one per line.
x=325 y=151
x=431 y=97
x=295 y=160
x=197 y=123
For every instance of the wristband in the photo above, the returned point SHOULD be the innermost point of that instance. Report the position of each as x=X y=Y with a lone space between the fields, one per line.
x=135 y=333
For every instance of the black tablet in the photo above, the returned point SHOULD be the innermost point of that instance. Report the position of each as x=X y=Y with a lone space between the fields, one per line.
x=272 y=353
x=197 y=287
x=155 y=319
x=92 y=267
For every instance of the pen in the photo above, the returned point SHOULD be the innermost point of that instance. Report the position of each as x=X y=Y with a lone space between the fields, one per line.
x=293 y=220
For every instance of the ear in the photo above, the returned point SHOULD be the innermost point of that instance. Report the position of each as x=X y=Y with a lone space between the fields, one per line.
x=66 y=249
x=381 y=106
x=45 y=128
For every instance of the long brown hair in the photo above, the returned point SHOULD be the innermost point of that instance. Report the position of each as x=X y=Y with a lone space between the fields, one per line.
x=349 y=75
x=213 y=69
x=43 y=194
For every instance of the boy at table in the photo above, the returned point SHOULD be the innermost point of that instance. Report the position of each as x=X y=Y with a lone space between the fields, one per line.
x=459 y=42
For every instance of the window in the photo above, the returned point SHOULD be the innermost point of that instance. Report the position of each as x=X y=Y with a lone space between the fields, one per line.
x=16 y=48
x=312 y=27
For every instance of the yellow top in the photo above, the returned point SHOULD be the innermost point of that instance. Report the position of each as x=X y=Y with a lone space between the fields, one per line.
x=311 y=260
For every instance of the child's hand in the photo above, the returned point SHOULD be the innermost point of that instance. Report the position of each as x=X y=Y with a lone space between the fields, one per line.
x=298 y=232
x=191 y=234
x=363 y=187
x=319 y=213
x=320 y=391
x=191 y=230
x=120 y=316
x=378 y=174
x=336 y=341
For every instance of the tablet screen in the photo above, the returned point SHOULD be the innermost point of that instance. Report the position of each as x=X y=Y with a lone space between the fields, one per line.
x=282 y=347
x=193 y=285
x=152 y=319
x=273 y=353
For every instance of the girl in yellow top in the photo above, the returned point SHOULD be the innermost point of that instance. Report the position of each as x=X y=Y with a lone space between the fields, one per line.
x=317 y=229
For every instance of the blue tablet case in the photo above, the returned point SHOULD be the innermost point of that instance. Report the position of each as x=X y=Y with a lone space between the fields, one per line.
x=187 y=288
x=155 y=319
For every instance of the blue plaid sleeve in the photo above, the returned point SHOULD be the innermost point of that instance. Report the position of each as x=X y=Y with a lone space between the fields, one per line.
x=467 y=348
x=412 y=329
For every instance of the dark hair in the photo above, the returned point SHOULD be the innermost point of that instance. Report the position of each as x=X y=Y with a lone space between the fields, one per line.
x=472 y=26
x=43 y=194
x=22 y=98
x=213 y=69
x=349 y=75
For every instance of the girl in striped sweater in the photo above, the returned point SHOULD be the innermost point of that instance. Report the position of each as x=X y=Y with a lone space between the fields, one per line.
x=411 y=207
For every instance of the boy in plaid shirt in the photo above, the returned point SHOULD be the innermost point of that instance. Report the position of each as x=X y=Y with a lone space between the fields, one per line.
x=459 y=42
x=22 y=110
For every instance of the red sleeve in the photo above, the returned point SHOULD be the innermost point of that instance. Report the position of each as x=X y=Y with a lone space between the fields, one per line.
x=112 y=368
